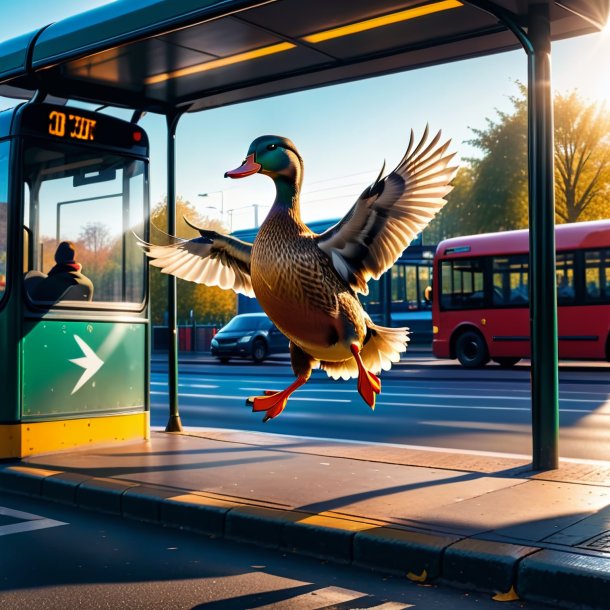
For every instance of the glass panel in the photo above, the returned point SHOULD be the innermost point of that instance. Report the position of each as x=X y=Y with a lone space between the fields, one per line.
x=425 y=280
x=399 y=286
x=462 y=284
x=597 y=276
x=84 y=206
x=510 y=280
x=4 y=154
x=564 y=273
x=411 y=285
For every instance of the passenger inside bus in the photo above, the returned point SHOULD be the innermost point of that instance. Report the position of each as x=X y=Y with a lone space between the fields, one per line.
x=64 y=281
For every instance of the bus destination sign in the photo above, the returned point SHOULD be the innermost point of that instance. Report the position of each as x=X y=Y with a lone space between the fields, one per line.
x=69 y=125
x=82 y=127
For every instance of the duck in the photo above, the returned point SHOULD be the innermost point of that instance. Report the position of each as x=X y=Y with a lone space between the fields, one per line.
x=308 y=283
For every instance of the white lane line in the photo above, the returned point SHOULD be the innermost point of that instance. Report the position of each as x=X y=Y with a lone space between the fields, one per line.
x=384 y=395
x=28 y=523
x=242 y=397
x=201 y=386
x=382 y=402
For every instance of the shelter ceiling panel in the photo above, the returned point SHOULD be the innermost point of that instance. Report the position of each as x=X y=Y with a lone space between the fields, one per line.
x=221 y=37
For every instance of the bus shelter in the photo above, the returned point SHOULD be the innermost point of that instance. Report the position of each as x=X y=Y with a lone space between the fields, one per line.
x=173 y=58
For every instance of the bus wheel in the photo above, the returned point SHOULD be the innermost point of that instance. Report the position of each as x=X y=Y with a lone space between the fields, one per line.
x=506 y=361
x=471 y=350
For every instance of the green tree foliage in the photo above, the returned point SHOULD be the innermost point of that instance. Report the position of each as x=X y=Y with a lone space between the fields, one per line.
x=210 y=305
x=491 y=191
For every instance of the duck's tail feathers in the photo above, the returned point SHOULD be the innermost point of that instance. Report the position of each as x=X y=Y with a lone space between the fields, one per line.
x=382 y=349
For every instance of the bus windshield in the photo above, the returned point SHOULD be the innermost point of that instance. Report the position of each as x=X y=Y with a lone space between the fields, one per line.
x=81 y=209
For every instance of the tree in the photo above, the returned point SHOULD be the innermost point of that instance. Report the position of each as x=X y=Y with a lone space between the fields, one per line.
x=209 y=305
x=95 y=236
x=491 y=191
x=582 y=159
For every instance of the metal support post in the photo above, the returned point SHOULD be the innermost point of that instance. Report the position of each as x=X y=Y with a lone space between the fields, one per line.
x=543 y=296
x=174 y=424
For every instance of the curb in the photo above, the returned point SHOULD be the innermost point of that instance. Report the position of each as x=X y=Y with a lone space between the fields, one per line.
x=505 y=570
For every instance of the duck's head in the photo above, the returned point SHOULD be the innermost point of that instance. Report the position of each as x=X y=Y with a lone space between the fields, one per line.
x=273 y=156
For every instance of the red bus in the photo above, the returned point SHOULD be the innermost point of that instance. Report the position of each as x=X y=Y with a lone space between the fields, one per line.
x=480 y=308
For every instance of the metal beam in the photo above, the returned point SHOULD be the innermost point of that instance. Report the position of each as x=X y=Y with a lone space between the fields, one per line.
x=536 y=42
x=174 y=424
x=543 y=295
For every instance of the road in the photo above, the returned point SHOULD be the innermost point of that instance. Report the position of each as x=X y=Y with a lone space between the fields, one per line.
x=76 y=559
x=424 y=402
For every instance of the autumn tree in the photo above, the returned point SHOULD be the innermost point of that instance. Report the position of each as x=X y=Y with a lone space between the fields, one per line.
x=582 y=159
x=491 y=191
x=210 y=305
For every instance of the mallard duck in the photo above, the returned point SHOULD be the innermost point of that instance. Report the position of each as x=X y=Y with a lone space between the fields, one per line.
x=307 y=283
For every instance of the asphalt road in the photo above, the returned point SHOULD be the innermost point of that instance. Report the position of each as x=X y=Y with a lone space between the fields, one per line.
x=57 y=557
x=424 y=402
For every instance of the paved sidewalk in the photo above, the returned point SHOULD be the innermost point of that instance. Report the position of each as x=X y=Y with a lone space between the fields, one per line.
x=464 y=519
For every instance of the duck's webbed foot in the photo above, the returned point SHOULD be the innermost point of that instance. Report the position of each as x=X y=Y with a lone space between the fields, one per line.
x=274 y=402
x=369 y=385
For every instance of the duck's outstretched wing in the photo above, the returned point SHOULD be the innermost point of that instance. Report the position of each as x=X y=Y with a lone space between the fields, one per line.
x=390 y=213
x=213 y=259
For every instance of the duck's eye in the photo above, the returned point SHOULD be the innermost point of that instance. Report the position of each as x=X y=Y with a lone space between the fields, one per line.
x=271 y=146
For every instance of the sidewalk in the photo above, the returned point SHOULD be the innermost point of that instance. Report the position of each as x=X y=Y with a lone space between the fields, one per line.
x=464 y=519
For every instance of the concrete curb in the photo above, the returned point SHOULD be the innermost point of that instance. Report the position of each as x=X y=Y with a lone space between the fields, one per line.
x=561 y=578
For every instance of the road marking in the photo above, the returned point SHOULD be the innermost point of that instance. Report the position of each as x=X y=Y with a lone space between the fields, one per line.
x=202 y=386
x=28 y=523
x=382 y=402
x=243 y=397
x=330 y=597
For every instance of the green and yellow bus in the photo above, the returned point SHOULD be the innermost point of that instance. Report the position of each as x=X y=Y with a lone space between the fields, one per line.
x=73 y=363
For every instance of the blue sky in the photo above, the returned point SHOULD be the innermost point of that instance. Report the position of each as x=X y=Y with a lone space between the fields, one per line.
x=344 y=132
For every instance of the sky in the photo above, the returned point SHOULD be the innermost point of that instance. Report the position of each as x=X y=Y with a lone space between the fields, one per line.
x=345 y=132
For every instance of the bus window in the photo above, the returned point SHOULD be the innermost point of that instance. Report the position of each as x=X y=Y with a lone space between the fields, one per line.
x=565 y=278
x=510 y=280
x=399 y=284
x=424 y=280
x=4 y=152
x=597 y=276
x=95 y=200
x=461 y=284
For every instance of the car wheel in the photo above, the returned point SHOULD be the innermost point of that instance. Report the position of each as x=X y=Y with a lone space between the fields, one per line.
x=506 y=361
x=259 y=350
x=471 y=350
x=224 y=360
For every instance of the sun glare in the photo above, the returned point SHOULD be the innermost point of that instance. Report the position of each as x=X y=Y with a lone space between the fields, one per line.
x=600 y=83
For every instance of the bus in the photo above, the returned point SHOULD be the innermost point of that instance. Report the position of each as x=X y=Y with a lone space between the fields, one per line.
x=480 y=304
x=74 y=363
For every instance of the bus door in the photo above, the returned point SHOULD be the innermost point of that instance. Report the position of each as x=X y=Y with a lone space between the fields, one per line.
x=84 y=325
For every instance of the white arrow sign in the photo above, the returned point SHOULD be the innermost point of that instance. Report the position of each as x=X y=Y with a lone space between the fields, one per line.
x=91 y=362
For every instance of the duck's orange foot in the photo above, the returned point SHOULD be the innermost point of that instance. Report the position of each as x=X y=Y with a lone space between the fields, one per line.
x=369 y=385
x=274 y=402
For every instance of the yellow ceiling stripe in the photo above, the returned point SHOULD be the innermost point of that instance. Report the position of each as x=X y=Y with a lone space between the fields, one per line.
x=377 y=22
x=219 y=63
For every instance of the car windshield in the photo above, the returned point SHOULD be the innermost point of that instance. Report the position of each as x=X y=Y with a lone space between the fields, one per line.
x=240 y=323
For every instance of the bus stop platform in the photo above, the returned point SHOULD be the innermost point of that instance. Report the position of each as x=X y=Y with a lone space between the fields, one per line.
x=463 y=519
